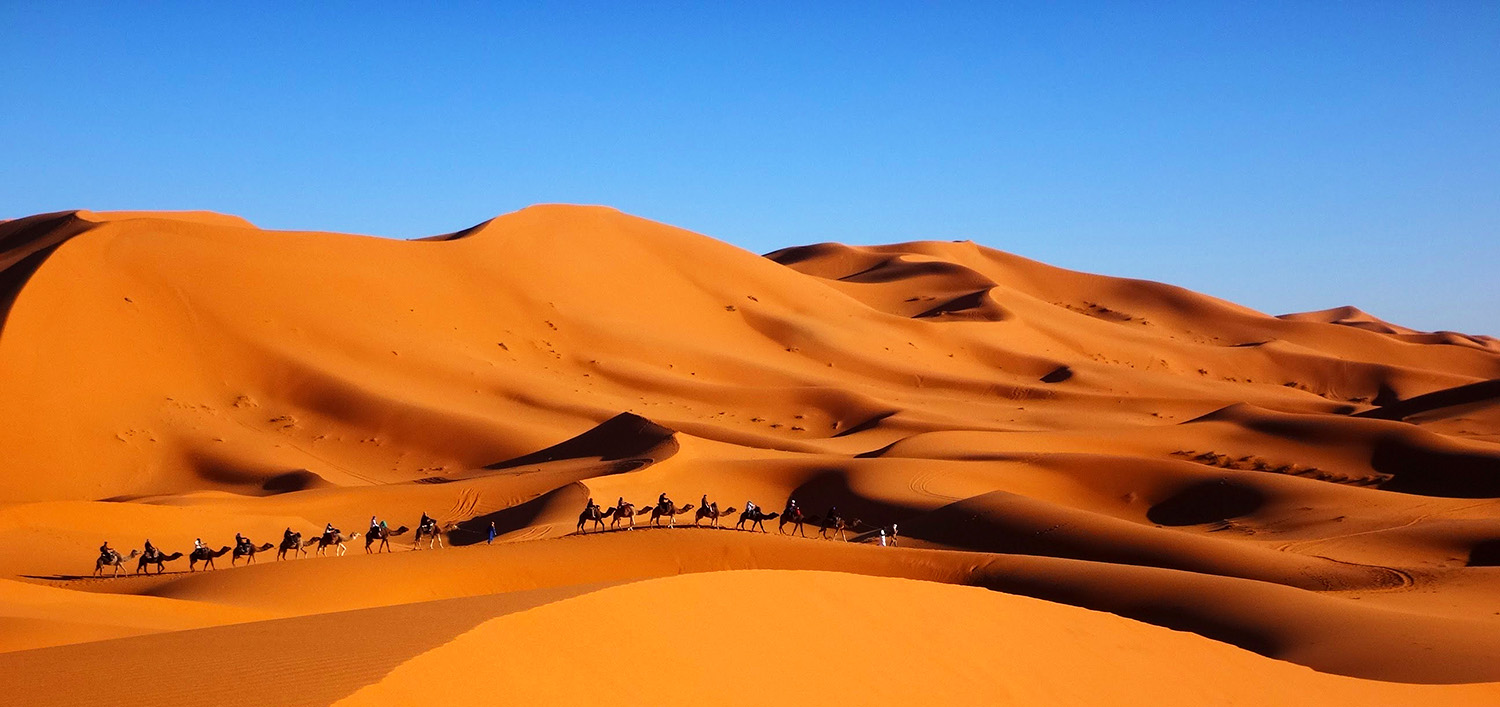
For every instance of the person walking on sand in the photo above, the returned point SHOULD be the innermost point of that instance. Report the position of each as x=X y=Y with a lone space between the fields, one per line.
x=491 y=541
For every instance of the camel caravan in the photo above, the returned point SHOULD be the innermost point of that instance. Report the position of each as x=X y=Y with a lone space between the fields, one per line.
x=377 y=540
x=831 y=525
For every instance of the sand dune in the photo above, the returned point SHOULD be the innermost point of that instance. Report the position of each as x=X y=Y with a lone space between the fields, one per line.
x=867 y=641
x=1320 y=489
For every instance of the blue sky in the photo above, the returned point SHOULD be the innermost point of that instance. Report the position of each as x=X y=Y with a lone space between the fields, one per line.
x=1285 y=156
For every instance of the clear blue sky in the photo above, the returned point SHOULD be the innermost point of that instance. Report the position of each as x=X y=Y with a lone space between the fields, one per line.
x=1286 y=156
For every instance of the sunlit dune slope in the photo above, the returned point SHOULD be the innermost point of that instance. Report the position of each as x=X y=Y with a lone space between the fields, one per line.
x=745 y=637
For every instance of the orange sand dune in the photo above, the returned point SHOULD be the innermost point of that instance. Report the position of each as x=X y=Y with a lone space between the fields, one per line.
x=750 y=637
x=1321 y=489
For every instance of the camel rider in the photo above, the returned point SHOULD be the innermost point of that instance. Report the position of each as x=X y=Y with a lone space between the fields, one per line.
x=241 y=542
x=198 y=544
x=105 y=553
x=751 y=509
x=151 y=550
x=663 y=502
x=592 y=508
x=704 y=501
x=620 y=503
x=374 y=526
x=427 y=521
x=791 y=507
x=286 y=535
x=329 y=531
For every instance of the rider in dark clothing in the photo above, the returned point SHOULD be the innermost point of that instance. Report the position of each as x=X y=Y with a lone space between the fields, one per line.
x=662 y=501
x=105 y=552
x=151 y=550
x=329 y=531
x=286 y=535
x=592 y=508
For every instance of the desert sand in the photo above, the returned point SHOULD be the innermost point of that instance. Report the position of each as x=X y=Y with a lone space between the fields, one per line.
x=1103 y=490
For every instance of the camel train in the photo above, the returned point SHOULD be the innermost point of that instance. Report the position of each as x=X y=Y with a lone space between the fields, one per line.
x=831 y=525
x=377 y=540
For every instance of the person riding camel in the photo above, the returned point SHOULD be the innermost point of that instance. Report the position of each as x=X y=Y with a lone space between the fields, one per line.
x=663 y=502
x=105 y=553
x=329 y=532
x=286 y=535
x=620 y=503
x=751 y=509
x=704 y=501
x=427 y=521
x=374 y=526
x=198 y=544
x=241 y=542
x=791 y=507
x=150 y=551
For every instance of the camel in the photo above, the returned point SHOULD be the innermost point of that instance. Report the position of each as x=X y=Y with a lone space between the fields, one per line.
x=290 y=543
x=712 y=513
x=157 y=559
x=433 y=533
x=593 y=514
x=113 y=559
x=383 y=535
x=335 y=539
x=206 y=556
x=792 y=515
x=248 y=552
x=668 y=510
x=836 y=524
x=624 y=511
x=755 y=518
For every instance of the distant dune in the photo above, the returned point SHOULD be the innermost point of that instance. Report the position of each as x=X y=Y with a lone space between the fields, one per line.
x=1321 y=489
